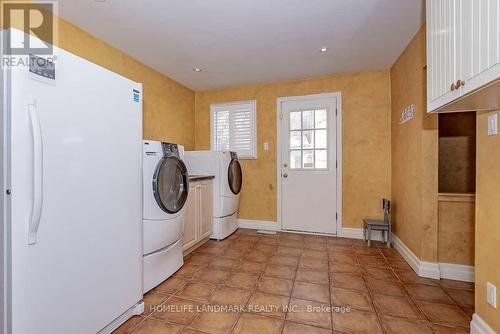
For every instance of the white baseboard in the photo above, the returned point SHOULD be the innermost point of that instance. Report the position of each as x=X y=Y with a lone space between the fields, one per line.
x=353 y=233
x=357 y=233
x=432 y=269
x=406 y=253
x=479 y=326
x=429 y=270
x=457 y=272
x=258 y=224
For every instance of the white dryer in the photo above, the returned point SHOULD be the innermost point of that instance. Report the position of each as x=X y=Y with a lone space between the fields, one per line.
x=166 y=186
x=226 y=168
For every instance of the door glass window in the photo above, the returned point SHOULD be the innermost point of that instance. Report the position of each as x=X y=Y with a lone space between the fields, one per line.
x=308 y=119
x=235 y=176
x=295 y=141
x=295 y=159
x=308 y=139
x=295 y=120
x=171 y=185
x=320 y=158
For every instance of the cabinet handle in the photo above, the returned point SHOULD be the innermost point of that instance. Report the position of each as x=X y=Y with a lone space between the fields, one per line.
x=453 y=86
x=460 y=83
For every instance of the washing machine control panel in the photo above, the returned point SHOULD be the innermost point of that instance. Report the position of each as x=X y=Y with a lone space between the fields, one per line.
x=170 y=149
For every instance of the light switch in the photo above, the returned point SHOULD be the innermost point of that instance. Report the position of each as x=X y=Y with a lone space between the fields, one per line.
x=491 y=294
x=266 y=146
x=492 y=124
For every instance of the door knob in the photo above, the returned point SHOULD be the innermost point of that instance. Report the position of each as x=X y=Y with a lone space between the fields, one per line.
x=460 y=83
x=285 y=175
x=285 y=164
x=453 y=86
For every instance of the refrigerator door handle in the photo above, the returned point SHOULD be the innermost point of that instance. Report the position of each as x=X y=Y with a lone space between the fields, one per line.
x=36 y=132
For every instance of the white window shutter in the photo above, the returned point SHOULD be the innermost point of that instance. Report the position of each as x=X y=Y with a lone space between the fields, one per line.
x=220 y=123
x=234 y=128
x=243 y=133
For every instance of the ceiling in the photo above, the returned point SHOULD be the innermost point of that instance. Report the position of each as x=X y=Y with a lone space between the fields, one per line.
x=238 y=42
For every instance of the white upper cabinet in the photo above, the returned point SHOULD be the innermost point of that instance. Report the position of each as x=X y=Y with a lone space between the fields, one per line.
x=442 y=38
x=463 y=55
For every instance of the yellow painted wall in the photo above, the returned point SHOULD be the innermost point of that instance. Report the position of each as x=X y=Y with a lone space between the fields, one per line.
x=168 y=105
x=487 y=219
x=456 y=228
x=366 y=140
x=457 y=152
x=414 y=154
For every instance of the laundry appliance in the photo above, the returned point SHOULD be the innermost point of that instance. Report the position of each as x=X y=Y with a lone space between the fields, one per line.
x=226 y=168
x=71 y=196
x=166 y=186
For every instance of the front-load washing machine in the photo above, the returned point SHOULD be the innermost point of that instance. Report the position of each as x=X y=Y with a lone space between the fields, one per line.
x=166 y=186
x=226 y=168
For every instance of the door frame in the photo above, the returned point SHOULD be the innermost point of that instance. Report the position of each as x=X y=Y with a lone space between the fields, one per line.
x=338 y=128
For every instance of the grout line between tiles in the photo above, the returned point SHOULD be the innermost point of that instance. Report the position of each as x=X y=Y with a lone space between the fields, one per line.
x=330 y=289
x=275 y=245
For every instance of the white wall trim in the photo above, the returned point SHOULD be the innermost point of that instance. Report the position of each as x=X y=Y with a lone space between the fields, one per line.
x=429 y=270
x=258 y=224
x=279 y=101
x=340 y=161
x=272 y=226
x=345 y=232
x=357 y=233
x=432 y=269
x=479 y=326
x=422 y=268
x=457 y=272
x=406 y=253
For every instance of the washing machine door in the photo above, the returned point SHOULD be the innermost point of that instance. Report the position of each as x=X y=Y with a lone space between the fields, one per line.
x=235 y=176
x=171 y=184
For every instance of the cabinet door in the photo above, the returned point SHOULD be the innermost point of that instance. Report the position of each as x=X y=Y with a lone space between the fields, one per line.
x=481 y=41
x=206 y=220
x=443 y=51
x=190 y=236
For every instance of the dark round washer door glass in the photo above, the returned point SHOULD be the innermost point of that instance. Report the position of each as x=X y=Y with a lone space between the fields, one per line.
x=171 y=184
x=235 y=176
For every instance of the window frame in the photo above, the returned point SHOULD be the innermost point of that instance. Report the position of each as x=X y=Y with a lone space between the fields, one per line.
x=231 y=106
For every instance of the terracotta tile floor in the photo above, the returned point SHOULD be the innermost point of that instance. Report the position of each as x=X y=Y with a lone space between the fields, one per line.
x=288 y=283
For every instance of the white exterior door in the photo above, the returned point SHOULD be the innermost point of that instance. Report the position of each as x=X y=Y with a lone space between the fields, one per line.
x=308 y=171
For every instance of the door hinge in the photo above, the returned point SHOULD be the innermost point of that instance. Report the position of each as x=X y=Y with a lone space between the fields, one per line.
x=336 y=164
x=281 y=115
x=336 y=216
x=336 y=111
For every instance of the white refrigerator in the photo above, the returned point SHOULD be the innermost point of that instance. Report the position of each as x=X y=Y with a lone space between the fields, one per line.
x=71 y=198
